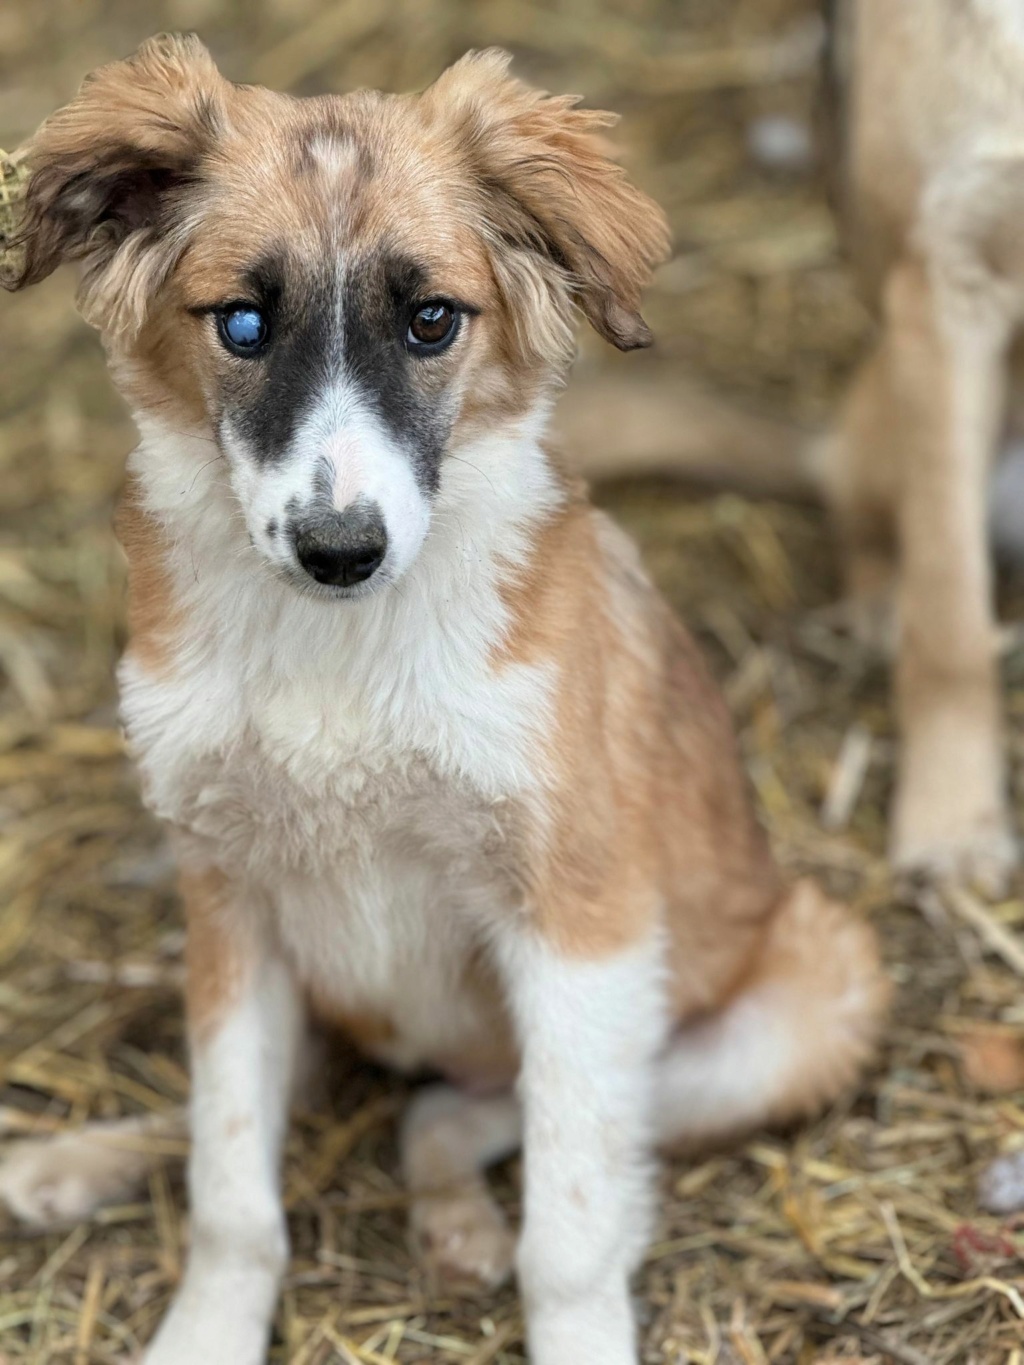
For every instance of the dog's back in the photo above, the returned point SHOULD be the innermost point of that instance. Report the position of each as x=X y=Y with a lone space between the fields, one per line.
x=919 y=89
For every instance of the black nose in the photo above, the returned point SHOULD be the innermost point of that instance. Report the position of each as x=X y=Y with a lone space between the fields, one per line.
x=342 y=548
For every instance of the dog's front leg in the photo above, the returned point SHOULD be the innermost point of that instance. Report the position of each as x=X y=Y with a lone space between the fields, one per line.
x=945 y=350
x=244 y=1026
x=588 y=1030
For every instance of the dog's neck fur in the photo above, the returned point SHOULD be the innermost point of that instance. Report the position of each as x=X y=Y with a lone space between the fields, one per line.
x=417 y=661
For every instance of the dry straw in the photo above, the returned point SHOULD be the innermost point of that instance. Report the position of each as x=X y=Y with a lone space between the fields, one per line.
x=13 y=176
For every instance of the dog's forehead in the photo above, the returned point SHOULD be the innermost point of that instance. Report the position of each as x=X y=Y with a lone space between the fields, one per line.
x=355 y=175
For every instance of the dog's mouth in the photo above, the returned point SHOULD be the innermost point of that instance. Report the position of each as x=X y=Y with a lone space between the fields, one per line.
x=302 y=583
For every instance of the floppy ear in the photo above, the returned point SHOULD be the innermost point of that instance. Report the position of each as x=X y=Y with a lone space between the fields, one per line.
x=551 y=187
x=109 y=176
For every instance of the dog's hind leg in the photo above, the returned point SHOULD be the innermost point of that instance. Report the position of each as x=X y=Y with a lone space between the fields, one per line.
x=52 y=1181
x=448 y=1140
x=797 y=1034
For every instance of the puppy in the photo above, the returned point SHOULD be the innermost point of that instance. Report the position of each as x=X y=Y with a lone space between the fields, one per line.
x=441 y=767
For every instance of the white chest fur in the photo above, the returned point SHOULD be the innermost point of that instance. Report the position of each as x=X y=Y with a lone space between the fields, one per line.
x=349 y=762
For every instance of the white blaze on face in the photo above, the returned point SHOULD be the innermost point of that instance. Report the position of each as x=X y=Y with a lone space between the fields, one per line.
x=344 y=453
x=341 y=454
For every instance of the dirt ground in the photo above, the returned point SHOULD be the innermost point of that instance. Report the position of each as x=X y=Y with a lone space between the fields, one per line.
x=857 y=1238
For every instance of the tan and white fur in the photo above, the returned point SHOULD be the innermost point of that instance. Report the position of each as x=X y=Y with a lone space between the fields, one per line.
x=442 y=769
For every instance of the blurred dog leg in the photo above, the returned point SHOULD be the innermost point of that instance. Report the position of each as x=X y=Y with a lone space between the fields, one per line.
x=448 y=1139
x=613 y=427
x=946 y=351
x=53 y=1181
x=860 y=473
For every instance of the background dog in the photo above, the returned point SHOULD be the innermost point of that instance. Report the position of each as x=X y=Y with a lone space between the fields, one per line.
x=924 y=108
x=933 y=137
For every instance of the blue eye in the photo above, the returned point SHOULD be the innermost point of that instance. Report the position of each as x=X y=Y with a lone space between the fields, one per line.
x=243 y=330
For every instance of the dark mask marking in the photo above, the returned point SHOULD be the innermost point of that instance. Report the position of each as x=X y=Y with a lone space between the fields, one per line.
x=266 y=398
x=405 y=392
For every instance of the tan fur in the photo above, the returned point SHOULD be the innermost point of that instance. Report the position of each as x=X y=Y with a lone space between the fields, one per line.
x=217 y=952
x=557 y=187
x=813 y=977
x=649 y=810
x=543 y=163
x=485 y=1060
x=821 y=960
x=154 y=619
x=155 y=111
x=489 y=1060
x=932 y=203
x=667 y=423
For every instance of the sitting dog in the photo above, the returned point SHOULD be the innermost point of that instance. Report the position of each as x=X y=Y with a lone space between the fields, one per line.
x=442 y=769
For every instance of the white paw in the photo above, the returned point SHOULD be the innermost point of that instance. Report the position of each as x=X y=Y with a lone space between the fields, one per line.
x=200 y=1341
x=464 y=1241
x=597 y=1329
x=981 y=855
x=221 y=1315
x=60 y=1180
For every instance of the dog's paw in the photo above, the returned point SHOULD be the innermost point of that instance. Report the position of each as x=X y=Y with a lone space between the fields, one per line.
x=980 y=856
x=231 y=1337
x=463 y=1241
x=51 y=1182
x=205 y=1339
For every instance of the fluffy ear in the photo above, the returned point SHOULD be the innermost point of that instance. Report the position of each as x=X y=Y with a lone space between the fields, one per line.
x=551 y=187
x=109 y=174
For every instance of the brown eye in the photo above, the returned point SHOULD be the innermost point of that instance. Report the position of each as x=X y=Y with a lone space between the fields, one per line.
x=433 y=326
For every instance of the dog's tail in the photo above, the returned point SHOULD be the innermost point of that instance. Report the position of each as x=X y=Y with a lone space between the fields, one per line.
x=614 y=426
x=797 y=1035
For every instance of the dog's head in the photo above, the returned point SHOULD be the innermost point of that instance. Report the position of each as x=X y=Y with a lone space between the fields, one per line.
x=340 y=291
